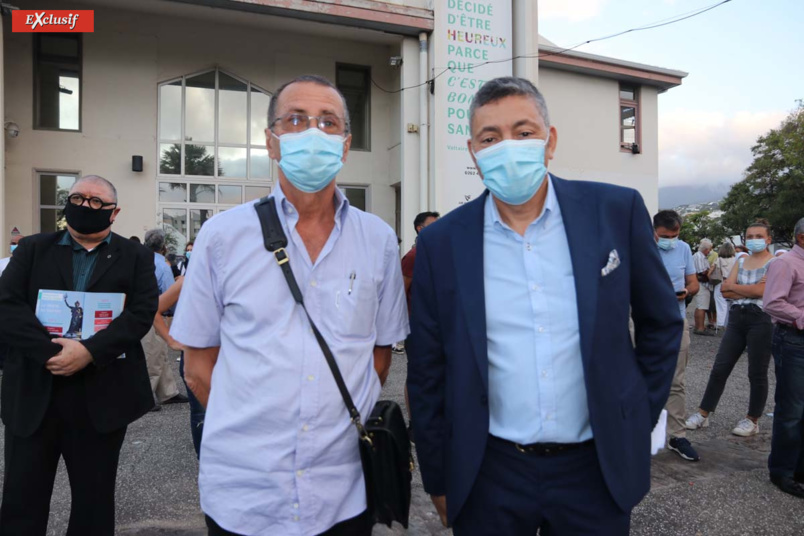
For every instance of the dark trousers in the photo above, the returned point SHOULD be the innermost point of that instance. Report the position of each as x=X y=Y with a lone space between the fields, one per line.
x=517 y=493
x=31 y=462
x=197 y=413
x=748 y=326
x=359 y=525
x=787 y=445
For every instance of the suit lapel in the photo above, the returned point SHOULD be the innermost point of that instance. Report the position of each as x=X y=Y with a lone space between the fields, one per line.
x=580 y=216
x=107 y=256
x=467 y=253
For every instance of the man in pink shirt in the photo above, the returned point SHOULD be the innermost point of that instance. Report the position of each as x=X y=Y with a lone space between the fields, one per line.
x=784 y=302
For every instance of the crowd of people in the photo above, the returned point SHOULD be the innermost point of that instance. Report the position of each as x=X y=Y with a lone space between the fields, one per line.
x=545 y=325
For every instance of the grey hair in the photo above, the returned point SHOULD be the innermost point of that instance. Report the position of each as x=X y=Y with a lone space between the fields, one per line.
x=155 y=240
x=97 y=179
x=705 y=244
x=726 y=250
x=310 y=79
x=799 y=229
x=508 y=86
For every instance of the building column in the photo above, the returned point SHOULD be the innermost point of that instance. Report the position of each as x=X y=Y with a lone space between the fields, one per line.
x=526 y=38
x=410 y=155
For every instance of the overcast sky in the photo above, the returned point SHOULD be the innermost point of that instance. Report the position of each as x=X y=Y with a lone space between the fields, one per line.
x=745 y=64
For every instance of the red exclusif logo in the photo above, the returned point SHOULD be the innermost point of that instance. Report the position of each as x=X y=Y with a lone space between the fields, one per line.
x=53 y=20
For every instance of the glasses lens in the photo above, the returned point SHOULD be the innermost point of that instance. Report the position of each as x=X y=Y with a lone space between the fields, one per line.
x=295 y=123
x=331 y=124
x=76 y=199
x=96 y=203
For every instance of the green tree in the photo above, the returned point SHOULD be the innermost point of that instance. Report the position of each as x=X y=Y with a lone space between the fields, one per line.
x=773 y=184
x=196 y=161
x=699 y=226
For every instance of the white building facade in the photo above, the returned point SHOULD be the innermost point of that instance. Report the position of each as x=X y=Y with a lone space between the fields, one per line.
x=185 y=85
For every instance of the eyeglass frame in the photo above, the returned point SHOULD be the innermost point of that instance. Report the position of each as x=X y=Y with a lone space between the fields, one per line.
x=346 y=126
x=88 y=201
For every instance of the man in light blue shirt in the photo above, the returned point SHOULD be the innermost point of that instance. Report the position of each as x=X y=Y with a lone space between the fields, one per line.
x=677 y=258
x=279 y=454
x=163 y=383
x=536 y=381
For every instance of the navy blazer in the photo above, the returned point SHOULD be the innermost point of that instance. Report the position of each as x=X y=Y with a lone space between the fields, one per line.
x=627 y=386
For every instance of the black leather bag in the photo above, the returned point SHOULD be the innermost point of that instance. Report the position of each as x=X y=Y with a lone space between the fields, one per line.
x=383 y=440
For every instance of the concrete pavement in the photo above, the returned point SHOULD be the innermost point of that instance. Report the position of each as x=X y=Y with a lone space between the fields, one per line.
x=727 y=493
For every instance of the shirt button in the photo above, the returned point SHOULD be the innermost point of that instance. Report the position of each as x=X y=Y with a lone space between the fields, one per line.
x=541 y=329
x=310 y=378
x=313 y=283
x=528 y=246
x=304 y=428
x=299 y=473
x=549 y=417
x=296 y=506
x=544 y=374
x=295 y=518
x=535 y=288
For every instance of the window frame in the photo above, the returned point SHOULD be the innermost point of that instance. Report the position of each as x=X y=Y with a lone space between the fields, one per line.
x=54 y=59
x=38 y=206
x=365 y=187
x=365 y=69
x=213 y=180
x=635 y=104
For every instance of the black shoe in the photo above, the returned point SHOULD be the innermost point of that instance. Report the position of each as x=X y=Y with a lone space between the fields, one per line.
x=178 y=399
x=788 y=485
x=683 y=448
x=155 y=408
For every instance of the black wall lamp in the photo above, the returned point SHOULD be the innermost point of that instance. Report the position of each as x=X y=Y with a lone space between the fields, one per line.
x=136 y=163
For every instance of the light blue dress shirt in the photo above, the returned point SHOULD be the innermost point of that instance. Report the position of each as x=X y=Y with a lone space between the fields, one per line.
x=164 y=275
x=679 y=264
x=279 y=454
x=536 y=380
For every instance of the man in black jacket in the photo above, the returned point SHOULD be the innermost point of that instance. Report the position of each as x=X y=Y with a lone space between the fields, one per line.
x=70 y=398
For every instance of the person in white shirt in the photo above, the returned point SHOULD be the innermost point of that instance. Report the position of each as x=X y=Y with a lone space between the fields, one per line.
x=279 y=453
x=704 y=295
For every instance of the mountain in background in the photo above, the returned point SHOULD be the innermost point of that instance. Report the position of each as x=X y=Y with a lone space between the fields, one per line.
x=674 y=196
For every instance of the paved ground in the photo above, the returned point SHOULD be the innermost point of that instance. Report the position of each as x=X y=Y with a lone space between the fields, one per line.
x=727 y=493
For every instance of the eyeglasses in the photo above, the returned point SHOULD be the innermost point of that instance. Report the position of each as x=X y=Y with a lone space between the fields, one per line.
x=328 y=123
x=95 y=203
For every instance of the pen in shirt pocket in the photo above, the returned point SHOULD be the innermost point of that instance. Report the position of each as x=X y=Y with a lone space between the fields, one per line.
x=351 y=282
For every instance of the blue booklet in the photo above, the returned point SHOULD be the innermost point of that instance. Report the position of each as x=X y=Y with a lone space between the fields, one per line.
x=77 y=315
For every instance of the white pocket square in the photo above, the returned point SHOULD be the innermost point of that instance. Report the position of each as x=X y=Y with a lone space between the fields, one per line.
x=613 y=264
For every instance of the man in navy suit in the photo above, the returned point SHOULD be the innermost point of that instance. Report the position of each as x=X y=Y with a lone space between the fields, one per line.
x=532 y=407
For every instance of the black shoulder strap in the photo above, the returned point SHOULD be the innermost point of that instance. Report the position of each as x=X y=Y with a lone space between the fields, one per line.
x=275 y=242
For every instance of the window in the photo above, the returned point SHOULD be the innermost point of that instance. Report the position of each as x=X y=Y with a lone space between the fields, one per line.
x=53 y=190
x=357 y=196
x=354 y=82
x=212 y=153
x=629 y=118
x=57 y=81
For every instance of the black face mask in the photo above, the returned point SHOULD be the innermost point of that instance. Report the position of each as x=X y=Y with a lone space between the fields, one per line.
x=86 y=220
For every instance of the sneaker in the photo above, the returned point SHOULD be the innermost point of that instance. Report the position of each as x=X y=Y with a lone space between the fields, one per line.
x=683 y=448
x=398 y=349
x=695 y=421
x=746 y=428
x=703 y=332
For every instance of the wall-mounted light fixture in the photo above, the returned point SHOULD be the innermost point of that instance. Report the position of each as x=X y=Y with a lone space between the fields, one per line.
x=12 y=129
x=136 y=163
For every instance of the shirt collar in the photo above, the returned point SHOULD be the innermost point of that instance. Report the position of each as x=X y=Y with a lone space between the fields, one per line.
x=796 y=250
x=289 y=216
x=67 y=240
x=549 y=209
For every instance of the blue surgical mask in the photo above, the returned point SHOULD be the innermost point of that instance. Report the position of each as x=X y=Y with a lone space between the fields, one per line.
x=13 y=247
x=756 y=245
x=513 y=170
x=667 y=243
x=310 y=159
x=187 y=254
